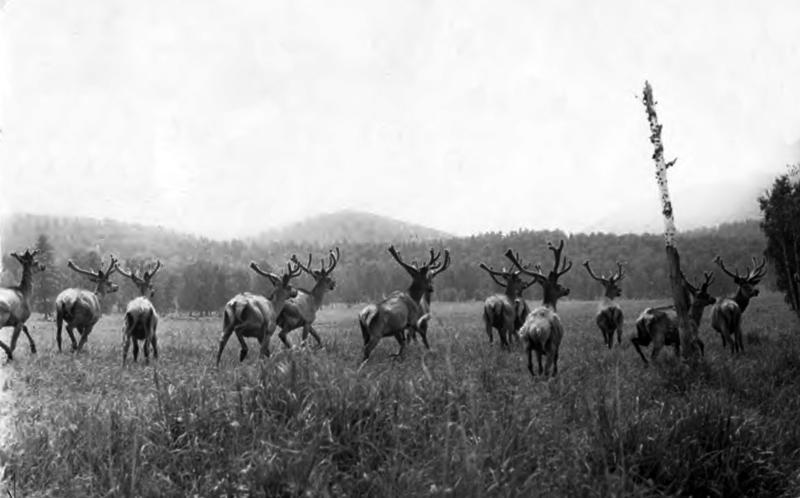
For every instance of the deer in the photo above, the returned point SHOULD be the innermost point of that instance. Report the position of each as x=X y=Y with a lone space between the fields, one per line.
x=15 y=307
x=609 y=317
x=403 y=310
x=81 y=309
x=301 y=311
x=542 y=331
x=252 y=315
x=505 y=312
x=726 y=315
x=141 y=318
x=660 y=327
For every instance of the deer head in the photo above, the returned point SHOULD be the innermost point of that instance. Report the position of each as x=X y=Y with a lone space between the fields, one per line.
x=100 y=277
x=747 y=283
x=551 y=288
x=511 y=279
x=322 y=276
x=422 y=276
x=143 y=283
x=282 y=284
x=28 y=261
x=699 y=292
x=610 y=284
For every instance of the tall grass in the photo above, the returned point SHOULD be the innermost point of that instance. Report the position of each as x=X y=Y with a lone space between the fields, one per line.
x=464 y=420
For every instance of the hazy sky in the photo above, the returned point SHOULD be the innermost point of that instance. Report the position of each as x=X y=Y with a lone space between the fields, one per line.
x=215 y=116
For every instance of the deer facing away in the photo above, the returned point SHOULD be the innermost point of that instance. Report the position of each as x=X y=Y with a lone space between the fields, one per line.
x=609 y=317
x=301 y=311
x=542 y=331
x=660 y=327
x=15 y=308
x=251 y=315
x=403 y=310
x=505 y=312
x=141 y=319
x=81 y=309
x=726 y=315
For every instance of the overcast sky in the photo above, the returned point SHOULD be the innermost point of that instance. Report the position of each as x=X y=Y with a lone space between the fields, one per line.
x=213 y=116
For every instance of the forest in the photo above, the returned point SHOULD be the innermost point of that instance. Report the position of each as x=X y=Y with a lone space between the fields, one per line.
x=199 y=275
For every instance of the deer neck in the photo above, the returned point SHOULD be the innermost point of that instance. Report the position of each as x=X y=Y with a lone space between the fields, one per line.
x=512 y=292
x=100 y=292
x=417 y=291
x=550 y=297
x=318 y=293
x=696 y=312
x=741 y=299
x=278 y=301
x=26 y=283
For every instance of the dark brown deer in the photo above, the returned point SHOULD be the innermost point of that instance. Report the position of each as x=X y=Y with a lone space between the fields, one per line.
x=403 y=310
x=141 y=319
x=726 y=315
x=251 y=315
x=609 y=317
x=301 y=311
x=15 y=307
x=505 y=312
x=81 y=309
x=659 y=325
x=542 y=331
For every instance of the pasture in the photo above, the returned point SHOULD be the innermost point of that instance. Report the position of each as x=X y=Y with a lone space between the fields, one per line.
x=465 y=419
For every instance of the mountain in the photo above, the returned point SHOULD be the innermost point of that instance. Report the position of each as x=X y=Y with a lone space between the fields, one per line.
x=351 y=226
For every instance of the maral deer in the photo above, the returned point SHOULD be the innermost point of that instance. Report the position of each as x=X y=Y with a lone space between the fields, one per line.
x=505 y=312
x=301 y=311
x=403 y=310
x=15 y=307
x=81 y=309
x=542 y=331
x=658 y=326
x=141 y=319
x=609 y=317
x=726 y=315
x=251 y=315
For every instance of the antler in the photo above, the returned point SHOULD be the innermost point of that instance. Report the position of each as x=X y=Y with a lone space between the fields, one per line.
x=438 y=268
x=307 y=267
x=293 y=272
x=413 y=270
x=494 y=274
x=759 y=270
x=709 y=279
x=148 y=275
x=333 y=260
x=620 y=273
x=254 y=266
x=72 y=266
x=524 y=268
x=131 y=275
x=112 y=266
x=592 y=274
x=565 y=265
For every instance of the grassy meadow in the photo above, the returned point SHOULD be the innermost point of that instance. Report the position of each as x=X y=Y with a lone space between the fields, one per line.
x=463 y=420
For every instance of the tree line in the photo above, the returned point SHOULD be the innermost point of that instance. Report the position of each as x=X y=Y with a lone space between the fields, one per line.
x=203 y=282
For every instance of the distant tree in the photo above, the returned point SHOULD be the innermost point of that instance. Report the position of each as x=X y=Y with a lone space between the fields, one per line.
x=48 y=282
x=780 y=208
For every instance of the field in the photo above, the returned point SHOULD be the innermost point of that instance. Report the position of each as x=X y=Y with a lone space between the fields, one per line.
x=465 y=419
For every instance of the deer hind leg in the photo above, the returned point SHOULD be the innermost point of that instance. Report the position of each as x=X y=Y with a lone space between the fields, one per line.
x=487 y=322
x=282 y=336
x=135 y=350
x=15 y=336
x=85 y=336
x=154 y=342
x=59 y=323
x=658 y=344
x=637 y=343
x=529 y=351
x=126 y=344
x=30 y=339
x=373 y=343
x=313 y=333
x=539 y=361
x=223 y=340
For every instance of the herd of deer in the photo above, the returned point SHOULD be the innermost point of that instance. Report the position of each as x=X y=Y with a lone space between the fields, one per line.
x=402 y=315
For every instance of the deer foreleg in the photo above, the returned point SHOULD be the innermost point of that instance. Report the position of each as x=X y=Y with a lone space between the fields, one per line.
x=135 y=350
x=30 y=339
x=266 y=336
x=15 y=336
x=309 y=329
x=282 y=337
x=635 y=341
x=7 y=350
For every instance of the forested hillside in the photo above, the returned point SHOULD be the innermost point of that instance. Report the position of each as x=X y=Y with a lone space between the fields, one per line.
x=201 y=274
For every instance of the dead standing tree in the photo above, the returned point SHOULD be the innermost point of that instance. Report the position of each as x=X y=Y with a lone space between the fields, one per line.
x=688 y=332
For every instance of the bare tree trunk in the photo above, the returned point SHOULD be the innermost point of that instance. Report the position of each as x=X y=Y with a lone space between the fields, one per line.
x=688 y=333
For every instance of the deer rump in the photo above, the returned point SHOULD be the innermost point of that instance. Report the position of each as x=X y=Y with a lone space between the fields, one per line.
x=653 y=322
x=726 y=319
x=77 y=306
x=391 y=317
x=253 y=315
x=297 y=311
x=140 y=318
x=501 y=313
x=542 y=331
x=609 y=318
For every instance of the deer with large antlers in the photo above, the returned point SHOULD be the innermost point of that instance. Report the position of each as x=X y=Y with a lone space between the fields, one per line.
x=542 y=331
x=403 y=310
x=660 y=325
x=251 y=315
x=505 y=312
x=15 y=308
x=726 y=315
x=609 y=317
x=81 y=309
x=301 y=311
x=141 y=319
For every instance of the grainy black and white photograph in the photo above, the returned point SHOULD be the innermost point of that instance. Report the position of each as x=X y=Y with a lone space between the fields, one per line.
x=418 y=248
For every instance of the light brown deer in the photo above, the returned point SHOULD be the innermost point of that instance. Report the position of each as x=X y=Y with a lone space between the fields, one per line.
x=726 y=315
x=505 y=312
x=542 y=331
x=659 y=325
x=609 y=317
x=81 y=309
x=141 y=318
x=301 y=311
x=403 y=310
x=251 y=315
x=15 y=308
